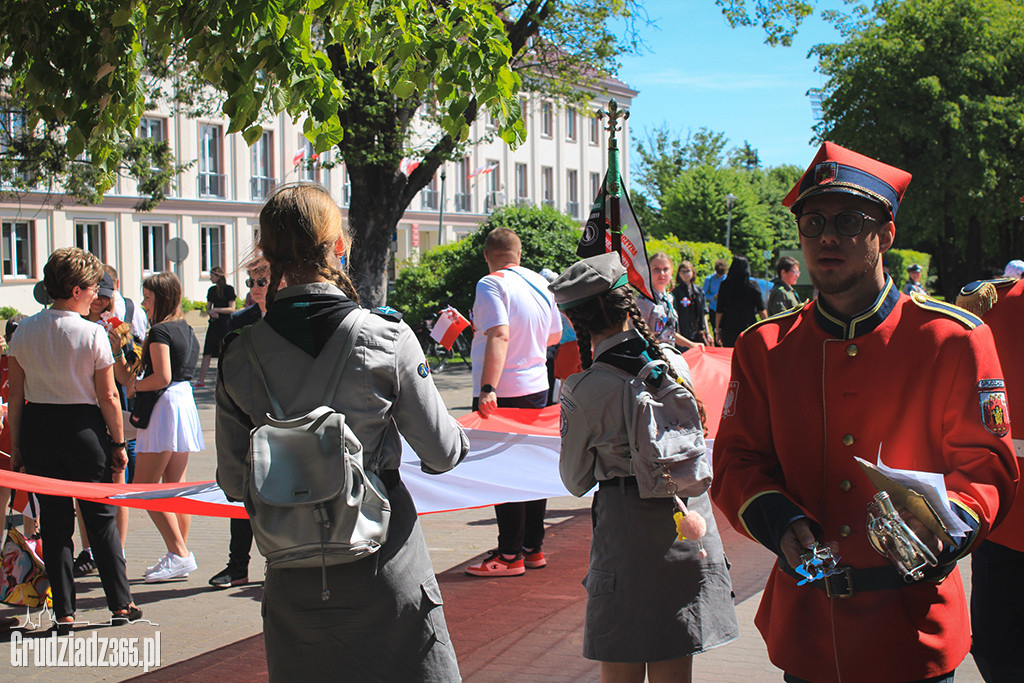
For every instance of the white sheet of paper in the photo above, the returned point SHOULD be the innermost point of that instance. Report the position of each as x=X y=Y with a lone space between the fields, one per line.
x=932 y=486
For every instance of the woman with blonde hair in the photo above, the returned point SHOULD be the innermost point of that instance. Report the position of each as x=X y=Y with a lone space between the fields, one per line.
x=382 y=619
x=169 y=357
x=65 y=420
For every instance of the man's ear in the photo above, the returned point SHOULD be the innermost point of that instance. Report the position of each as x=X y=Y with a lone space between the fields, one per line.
x=886 y=237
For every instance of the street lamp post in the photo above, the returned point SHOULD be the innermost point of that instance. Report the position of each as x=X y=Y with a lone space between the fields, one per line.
x=730 y=201
x=440 y=210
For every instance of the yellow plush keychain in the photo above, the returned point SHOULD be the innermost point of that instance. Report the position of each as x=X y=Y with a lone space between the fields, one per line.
x=690 y=526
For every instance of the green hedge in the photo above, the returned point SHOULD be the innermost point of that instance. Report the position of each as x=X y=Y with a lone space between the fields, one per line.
x=899 y=260
x=701 y=254
x=8 y=312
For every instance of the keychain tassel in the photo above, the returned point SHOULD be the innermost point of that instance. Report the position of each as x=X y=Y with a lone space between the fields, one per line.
x=690 y=526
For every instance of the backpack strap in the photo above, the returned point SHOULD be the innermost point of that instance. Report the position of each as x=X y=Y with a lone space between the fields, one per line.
x=352 y=323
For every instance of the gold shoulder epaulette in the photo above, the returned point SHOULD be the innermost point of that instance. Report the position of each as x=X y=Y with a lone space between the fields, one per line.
x=964 y=317
x=778 y=316
x=980 y=296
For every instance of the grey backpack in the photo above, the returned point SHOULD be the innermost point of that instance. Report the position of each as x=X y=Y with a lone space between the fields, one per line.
x=310 y=500
x=666 y=438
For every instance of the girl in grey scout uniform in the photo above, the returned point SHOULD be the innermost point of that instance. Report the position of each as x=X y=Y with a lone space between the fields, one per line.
x=653 y=601
x=383 y=620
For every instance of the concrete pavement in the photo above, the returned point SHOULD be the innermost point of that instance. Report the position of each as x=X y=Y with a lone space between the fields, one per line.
x=525 y=628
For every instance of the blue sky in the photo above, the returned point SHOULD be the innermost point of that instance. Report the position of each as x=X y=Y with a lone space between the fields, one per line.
x=698 y=72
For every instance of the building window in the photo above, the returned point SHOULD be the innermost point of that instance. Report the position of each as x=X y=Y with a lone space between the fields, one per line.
x=595 y=130
x=90 y=237
x=572 y=206
x=309 y=163
x=154 y=240
x=153 y=128
x=495 y=193
x=211 y=248
x=522 y=185
x=346 y=187
x=18 y=257
x=463 y=197
x=12 y=126
x=212 y=182
x=595 y=186
x=430 y=197
x=547 y=119
x=263 y=180
x=570 y=125
x=523 y=107
x=547 y=185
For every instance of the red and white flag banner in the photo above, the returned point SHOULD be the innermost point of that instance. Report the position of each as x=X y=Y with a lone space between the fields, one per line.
x=513 y=456
x=450 y=324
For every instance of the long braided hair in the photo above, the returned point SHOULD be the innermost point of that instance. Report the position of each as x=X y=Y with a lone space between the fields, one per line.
x=300 y=227
x=609 y=310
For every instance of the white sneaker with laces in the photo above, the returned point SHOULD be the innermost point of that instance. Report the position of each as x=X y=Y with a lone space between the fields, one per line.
x=175 y=567
x=159 y=564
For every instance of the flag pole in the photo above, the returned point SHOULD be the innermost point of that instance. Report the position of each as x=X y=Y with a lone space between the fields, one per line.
x=612 y=177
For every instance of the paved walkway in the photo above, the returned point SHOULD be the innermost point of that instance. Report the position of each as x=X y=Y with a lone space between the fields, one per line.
x=525 y=628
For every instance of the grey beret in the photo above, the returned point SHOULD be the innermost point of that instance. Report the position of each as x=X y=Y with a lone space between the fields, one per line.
x=586 y=279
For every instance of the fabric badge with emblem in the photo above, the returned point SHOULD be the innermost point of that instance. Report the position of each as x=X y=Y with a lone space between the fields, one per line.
x=388 y=312
x=729 y=406
x=994 y=413
x=566 y=406
x=423 y=370
x=825 y=172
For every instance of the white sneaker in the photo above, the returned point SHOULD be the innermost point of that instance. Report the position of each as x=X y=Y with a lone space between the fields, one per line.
x=159 y=564
x=175 y=567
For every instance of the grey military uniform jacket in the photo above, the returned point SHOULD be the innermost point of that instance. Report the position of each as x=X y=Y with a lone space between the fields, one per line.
x=595 y=443
x=385 y=390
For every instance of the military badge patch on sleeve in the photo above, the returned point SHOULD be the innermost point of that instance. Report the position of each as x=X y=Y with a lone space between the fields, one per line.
x=729 y=407
x=994 y=413
x=423 y=370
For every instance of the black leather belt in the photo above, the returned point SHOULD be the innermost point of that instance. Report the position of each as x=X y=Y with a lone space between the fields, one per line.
x=618 y=482
x=851 y=581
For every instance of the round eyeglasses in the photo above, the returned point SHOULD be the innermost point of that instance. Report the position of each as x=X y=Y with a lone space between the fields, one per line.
x=847 y=223
x=259 y=282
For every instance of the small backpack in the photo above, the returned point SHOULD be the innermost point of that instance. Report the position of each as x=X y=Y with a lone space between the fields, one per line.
x=666 y=438
x=310 y=500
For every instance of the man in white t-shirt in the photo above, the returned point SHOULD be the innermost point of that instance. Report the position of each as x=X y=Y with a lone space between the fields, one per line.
x=514 y=321
x=139 y=321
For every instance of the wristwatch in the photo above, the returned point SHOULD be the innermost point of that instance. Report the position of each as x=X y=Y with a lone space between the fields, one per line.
x=487 y=389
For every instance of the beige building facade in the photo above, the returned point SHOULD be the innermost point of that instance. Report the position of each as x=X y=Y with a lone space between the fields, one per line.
x=214 y=205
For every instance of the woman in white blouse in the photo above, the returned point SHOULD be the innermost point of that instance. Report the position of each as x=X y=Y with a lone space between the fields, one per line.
x=65 y=419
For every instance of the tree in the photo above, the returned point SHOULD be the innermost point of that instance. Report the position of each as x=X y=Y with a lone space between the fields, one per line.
x=935 y=87
x=358 y=70
x=447 y=275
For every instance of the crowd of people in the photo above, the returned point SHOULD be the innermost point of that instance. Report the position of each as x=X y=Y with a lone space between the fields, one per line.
x=878 y=374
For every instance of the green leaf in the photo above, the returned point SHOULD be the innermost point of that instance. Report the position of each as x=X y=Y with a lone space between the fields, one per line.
x=404 y=89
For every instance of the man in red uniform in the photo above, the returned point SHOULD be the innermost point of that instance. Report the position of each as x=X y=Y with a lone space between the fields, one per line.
x=997 y=598
x=862 y=369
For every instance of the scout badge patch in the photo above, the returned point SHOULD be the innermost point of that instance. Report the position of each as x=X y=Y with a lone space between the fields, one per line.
x=994 y=413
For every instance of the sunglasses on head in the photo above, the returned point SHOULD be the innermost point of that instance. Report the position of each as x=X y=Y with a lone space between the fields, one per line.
x=259 y=282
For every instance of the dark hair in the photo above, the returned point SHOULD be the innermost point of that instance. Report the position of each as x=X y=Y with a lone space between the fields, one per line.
x=220 y=280
x=682 y=283
x=609 y=310
x=737 y=280
x=299 y=227
x=785 y=264
x=720 y=266
x=12 y=326
x=166 y=290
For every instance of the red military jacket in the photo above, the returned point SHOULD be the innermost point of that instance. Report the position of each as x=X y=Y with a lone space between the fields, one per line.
x=809 y=391
x=1007 y=322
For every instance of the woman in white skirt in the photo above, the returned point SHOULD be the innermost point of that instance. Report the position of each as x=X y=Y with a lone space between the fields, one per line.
x=169 y=357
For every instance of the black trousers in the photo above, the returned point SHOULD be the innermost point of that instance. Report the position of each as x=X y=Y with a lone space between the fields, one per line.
x=997 y=601
x=240 y=544
x=520 y=525
x=70 y=442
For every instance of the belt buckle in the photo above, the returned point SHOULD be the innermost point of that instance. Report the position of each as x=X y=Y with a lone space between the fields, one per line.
x=843 y=576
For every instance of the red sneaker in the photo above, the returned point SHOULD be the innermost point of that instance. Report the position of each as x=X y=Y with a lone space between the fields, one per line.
x=534 y=560
x=496 y=565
